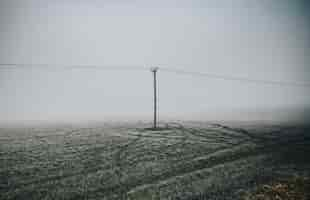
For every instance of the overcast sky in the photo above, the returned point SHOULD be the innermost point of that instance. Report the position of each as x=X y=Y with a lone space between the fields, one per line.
x=259 y=39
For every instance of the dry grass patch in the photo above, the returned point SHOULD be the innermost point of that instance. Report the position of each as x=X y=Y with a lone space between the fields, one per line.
x=297 y=188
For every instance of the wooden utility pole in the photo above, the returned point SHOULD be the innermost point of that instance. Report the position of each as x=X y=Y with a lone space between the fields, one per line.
x=154 y=70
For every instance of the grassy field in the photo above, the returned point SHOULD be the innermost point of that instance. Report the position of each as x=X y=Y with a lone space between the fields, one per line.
x=179 y=161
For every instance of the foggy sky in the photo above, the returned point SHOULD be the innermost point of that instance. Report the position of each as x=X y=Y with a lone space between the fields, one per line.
x=259 y=39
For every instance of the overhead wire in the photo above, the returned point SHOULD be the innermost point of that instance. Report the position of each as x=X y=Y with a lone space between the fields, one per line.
x=234 y=78
x=12 y=66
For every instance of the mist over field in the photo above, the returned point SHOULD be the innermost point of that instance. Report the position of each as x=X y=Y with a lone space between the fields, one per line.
x=265 y=40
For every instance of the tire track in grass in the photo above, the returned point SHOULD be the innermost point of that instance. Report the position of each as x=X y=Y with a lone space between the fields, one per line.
x=139 y=151
x=177 y=169
x=192 y=165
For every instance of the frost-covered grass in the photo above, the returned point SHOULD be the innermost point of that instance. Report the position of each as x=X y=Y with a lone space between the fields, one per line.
x=191 y=161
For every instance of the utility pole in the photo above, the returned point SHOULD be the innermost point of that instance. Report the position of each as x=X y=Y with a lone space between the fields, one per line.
x=154 y=70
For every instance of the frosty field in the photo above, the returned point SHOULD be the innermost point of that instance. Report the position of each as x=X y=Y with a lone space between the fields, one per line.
x=129 y=161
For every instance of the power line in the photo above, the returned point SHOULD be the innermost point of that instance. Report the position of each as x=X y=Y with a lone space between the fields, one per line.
x=233 y=78
x=12 y=66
